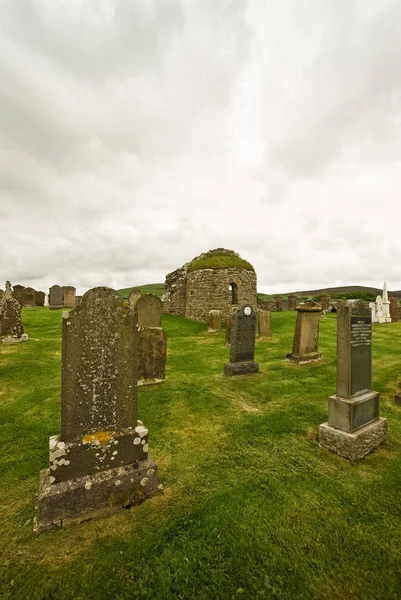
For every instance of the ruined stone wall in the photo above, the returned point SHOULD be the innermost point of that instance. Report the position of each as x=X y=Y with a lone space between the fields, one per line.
x=208 y=289
x=175 y=292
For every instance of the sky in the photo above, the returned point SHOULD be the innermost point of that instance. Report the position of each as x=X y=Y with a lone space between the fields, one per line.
x=135 y=135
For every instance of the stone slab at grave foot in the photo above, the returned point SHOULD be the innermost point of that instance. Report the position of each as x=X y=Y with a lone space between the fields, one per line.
x=354 y=426
x=242 y=346
x=306 y=337
x=100 y=460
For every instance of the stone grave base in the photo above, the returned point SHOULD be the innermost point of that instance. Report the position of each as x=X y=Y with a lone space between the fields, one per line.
x=353 y=445
x=241 y=368
x=10 y=339
x=77 y=500
x=149 y=381
x=305 y=359
x=349 y=414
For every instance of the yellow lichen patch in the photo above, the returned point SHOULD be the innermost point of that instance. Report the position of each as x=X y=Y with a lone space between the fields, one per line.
x=102 y=437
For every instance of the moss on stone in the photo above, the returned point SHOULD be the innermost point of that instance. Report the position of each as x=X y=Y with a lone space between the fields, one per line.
x=220 y=259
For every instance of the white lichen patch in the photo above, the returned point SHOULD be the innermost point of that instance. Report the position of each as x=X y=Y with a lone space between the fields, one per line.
x=88 y=485
x=141 y=431
x=146 y=448
x=53 y=442
x=137 y=441
x=151 y=472
x=52 y=479
x=117 y=482
x=144 y=481
x=115 y=453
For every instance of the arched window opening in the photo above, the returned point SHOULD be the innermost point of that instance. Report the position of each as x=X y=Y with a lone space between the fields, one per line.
x=233 y=293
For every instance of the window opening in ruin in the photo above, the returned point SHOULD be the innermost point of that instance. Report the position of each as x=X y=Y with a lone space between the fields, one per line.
x=233 y=291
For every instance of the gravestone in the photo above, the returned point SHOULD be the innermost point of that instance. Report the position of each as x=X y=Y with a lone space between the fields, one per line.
x=393 y=309
x=305 y=347
x=386 y=305
x=325 y=301
x=372 y=306
x=292 y=301
x=279 y=303
x=28 y=297
x=152 y=345
x=11 y=329
x=134 y=295
x=354 y=426
x=68 y=293
x=242 y=343
x=40 y=298
x=100 y=460
x=215 y=320
x=264 y=323
x=55 y=298
x=18 y=291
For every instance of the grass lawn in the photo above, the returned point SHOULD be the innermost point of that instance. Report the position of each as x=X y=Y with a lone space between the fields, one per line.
x=252 y=506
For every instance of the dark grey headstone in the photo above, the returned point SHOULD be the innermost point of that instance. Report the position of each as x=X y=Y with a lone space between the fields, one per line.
x=55 y=297
x=28 y=297
x=242 y=344
x=39 y=298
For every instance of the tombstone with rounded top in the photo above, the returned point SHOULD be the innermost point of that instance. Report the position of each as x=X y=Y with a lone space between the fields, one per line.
x=100 y=460
x=40 y=298
x=149 y=308
x=55 y=298
x=28 y=297
x=242 y=346
x=18 y=291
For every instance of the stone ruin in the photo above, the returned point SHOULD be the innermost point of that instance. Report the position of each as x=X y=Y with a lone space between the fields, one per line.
x=99 y=462
x=11 y=329
x=152 y=340
x=216 y=280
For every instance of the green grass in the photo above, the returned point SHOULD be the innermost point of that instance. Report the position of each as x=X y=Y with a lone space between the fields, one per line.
x=252 y=508
x=216 y=259
x=151 y=288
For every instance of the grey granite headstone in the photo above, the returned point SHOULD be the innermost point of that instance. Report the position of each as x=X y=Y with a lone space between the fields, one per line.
x=354 y=426
x=55 y=298
x=100 y=460
x=242 y=346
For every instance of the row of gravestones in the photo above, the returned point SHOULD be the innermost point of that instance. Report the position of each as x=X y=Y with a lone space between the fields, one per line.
x=278 y=304
x=27 y=296
x=100 y=461
x=62 y=297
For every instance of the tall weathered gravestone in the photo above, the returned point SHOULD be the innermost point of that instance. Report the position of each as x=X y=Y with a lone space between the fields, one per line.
x=100 y=461
x=325 y=301
x=305 y=347
x=215 y=320
x=354 y=426
x=55 y=297
x=11 y=329
x=28 y=297
x=40 y=298
x=292 y=301
x=18 y=291
x=242 y=346
x=152 y=340
x=393 y=309
x=264 y=323
x=68 y=293
x=386 y=305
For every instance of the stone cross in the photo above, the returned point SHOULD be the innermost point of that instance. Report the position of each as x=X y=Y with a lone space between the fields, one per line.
x=242 y=347
x=306 y=337
x=100 y=460
x=354 y=427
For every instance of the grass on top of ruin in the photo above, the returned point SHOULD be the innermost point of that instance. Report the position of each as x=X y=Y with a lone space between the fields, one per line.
x=252 y=506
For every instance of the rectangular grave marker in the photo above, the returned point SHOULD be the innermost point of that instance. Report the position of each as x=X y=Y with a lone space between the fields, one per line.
x=242 y=346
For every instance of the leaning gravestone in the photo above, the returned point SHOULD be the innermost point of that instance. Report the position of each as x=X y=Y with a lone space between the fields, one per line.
x=28 y=297
x=11 y=329
x=152 y=344
x=242 y=346
x=68 y=293
x=305 y=347
x=100 y=461
x=264 y=323
x=354 y=426
x=55 y=298
x=215 y=320
x=40 y=298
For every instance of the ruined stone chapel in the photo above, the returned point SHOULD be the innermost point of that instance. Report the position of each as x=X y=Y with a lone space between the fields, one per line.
x=216 y=280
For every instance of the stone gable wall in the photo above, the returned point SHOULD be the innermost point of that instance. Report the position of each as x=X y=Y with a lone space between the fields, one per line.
x=175 y=292
x=208 y=289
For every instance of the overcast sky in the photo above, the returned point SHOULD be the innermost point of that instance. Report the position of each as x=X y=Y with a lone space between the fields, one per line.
x=136 y=134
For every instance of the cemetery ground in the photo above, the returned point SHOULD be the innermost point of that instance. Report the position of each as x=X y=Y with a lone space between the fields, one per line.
x=252 y=506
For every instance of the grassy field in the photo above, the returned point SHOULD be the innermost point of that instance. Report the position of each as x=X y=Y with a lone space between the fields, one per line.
x=150 y=288
x=252 y=506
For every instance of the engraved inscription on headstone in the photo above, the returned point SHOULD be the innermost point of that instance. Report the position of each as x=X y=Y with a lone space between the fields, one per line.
x=361 y=354
x=242 y=348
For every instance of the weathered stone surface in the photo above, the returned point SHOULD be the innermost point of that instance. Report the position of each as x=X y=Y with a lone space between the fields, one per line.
x=40 y=298
x=192 y=294
x=264 y=324
x=28 y=297
x=350 y=414
x=325 y=301
x=133 y=296
x=386 y=305
x=68 y=296
x=292 y=301
x=356 y=445
x=242 y=347
x=393 y=309
x=99 y=364
x=149 y=308
x=152 y=355
x=10 y=316
x=306 y=337
x=55 y=297
x=215 y=320
x=18 y=291
x=279 y=303
x=93 y=496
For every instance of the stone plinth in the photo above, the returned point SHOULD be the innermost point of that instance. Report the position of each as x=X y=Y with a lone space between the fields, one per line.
x=306 y=336
x=354 y=426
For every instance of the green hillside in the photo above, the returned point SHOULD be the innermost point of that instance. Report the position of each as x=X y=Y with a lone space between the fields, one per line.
x=151 y=288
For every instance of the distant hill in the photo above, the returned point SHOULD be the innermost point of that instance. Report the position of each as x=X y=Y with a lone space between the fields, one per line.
x=151 y=288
